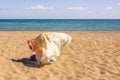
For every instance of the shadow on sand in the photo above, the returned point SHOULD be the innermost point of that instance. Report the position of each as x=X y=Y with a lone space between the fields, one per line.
x=29 y=62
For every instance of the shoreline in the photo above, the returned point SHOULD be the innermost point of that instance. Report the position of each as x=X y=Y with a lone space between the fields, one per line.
x=60 y=31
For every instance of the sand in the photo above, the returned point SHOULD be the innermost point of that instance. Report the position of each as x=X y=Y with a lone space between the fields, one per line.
x=90 y=56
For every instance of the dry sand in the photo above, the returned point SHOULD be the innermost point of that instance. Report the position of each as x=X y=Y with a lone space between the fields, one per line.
x=90 y=56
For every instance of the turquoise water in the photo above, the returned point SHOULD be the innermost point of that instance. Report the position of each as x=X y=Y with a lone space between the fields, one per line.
x=60 y=24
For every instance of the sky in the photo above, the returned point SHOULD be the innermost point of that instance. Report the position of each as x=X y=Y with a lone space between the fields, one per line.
x=59 y=9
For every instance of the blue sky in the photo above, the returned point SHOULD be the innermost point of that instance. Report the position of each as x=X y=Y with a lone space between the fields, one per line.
x=59 y=9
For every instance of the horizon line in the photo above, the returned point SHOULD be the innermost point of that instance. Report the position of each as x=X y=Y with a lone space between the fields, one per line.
x=57 y=18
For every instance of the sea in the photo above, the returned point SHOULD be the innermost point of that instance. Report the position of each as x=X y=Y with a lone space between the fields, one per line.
x=60 y=24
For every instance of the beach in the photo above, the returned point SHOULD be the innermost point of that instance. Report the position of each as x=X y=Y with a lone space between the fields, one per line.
x=92 y=55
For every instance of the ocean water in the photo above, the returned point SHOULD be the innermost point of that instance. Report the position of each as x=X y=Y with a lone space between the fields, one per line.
x=60 y=24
